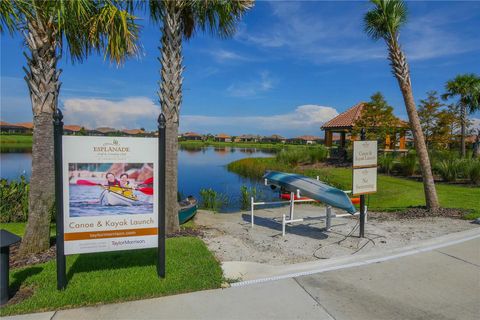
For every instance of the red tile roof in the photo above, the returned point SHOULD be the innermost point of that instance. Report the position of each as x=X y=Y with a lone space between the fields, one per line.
x=133 y=131
x=72 y=127
x=308 y=138
x=28 y=125
x=222 y=136
x=191 y=134
x=347 y=118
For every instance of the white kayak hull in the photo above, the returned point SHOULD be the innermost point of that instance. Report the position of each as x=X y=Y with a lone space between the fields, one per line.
x=110 y=198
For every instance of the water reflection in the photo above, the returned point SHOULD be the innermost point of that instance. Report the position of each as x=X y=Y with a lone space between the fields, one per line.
x=198 y=167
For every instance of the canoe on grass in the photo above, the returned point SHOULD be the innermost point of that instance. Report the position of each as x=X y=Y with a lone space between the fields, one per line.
x=311 y=188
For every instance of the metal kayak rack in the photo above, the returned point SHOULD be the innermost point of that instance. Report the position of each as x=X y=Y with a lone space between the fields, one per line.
x=290 y=219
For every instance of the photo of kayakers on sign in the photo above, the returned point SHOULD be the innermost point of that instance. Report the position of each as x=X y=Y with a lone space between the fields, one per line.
x=110 y=189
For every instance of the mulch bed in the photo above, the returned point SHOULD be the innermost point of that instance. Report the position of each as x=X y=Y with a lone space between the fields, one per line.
x=17 y=261
x=418 y=212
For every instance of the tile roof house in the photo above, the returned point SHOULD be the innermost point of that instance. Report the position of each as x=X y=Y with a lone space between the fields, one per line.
x=72 y=129
x=274 y=138
x=223 y=137
x=192 y=136
x=13 y=128
x=305 y=140
x=345 y=122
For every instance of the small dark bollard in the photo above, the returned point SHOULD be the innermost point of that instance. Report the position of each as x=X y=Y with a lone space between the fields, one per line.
x=6 y=240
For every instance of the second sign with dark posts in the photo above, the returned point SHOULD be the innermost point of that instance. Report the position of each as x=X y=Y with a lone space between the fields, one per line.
x=364 y=173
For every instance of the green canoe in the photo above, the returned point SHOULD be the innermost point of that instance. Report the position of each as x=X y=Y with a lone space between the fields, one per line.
x=188 y=209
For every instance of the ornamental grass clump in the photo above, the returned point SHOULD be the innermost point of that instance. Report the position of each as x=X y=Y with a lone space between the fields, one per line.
x=212 y=200
x=409 y=164
x=14 y=200
x=246 y=193
x=386 y=162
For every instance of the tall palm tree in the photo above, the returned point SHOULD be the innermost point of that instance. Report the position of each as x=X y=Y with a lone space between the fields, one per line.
x=180 y=20
x=51 y=28
x=384 y=22
x=467 y=88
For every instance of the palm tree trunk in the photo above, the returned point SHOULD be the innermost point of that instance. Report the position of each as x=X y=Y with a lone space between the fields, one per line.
x=42 y=79
x=463 y=120
x=401 y=72
x=170 y=95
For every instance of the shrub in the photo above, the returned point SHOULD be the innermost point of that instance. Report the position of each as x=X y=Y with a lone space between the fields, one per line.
x=449 y=169
x=293 y=157
x=212 y=200
x=408 y=164
x=386 y=162
x=472 y=171
x=14 y=200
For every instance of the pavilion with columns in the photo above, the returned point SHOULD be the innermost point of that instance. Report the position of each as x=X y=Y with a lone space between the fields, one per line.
x=344 y=123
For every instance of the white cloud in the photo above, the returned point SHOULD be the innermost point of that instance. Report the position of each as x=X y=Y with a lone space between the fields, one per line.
x=222 y=55
x=254 y=87
x=475 y=124
x=321 y=35
x=305 y=119
x=133 y=112
x=136 y=112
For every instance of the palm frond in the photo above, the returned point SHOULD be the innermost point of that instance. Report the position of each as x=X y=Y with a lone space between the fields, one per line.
x=385 y=19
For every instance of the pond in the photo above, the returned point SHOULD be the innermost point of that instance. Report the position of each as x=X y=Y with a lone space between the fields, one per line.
x=198 y=167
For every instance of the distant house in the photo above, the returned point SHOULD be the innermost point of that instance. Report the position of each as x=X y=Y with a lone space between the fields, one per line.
x=305 y=140
x=72 y=129
x=191 y=136
x=247 y=138
x=104 y=131
x=133 y=132
x=27 y=125
x=274 y=138
x=223 y=137
x=6 y=127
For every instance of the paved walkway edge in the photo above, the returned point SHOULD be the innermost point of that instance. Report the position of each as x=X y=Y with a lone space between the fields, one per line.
x=309 y=268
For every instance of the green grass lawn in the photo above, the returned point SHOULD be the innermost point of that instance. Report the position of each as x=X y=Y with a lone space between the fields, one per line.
x=15 y=141
x=393 y=194
x=100 y=278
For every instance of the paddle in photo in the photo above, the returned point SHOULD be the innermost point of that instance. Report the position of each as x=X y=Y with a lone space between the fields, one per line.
x=105 y=189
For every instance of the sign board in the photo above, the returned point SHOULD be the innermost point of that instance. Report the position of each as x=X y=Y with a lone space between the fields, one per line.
x=364 y=180
x=110 y=189
x=364 y=154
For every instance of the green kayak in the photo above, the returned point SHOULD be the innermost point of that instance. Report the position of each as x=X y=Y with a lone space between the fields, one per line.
x=188 y=209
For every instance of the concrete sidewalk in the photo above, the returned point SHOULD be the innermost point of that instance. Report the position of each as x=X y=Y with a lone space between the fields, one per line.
x=443 y=283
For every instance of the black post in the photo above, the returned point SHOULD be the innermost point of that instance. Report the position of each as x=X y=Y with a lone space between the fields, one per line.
x=362 y=198
x=4 y=266
x=161 y=194
x=57 y=143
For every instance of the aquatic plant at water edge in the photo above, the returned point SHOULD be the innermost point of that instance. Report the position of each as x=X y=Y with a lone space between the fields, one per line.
x=212 y=200
x=246 y=194
x=14 y=200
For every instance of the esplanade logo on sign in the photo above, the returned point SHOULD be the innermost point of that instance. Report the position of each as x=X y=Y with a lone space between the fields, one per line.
x=113 y=146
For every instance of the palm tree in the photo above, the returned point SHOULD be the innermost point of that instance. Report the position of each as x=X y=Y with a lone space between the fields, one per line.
x=51 y=28
x=467 y=88
x=180 y=20
x=384 y=22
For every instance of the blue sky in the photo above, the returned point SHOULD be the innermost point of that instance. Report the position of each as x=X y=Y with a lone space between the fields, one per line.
x=291 y=66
